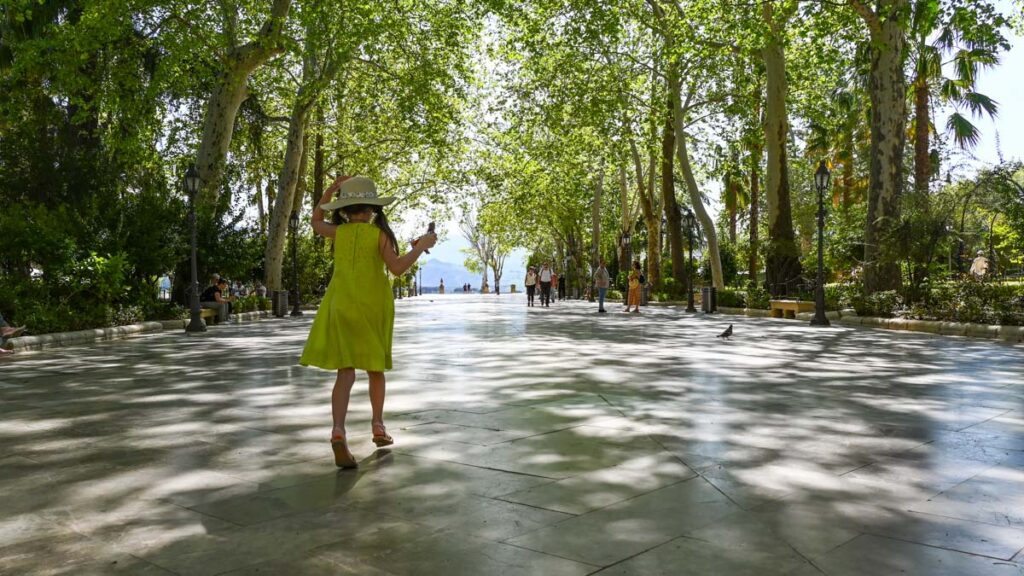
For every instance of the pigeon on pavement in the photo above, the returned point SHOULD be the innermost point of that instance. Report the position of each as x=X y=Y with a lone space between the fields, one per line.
x=726 y=334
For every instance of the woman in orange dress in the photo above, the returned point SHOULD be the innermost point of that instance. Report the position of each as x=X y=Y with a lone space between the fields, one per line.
x=633 y=299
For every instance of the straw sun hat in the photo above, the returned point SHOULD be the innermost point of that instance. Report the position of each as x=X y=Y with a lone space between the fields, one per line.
x=357 y=190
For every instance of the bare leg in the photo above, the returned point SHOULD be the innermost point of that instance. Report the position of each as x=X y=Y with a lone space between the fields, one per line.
x=377 y=396
x=339 y=399
x=380 y=434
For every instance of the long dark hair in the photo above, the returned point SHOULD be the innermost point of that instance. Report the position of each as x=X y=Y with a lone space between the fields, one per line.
x=379 y=219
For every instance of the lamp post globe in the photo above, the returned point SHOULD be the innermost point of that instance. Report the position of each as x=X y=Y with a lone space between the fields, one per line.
x=821 y=181
x=293 y=224
x=192 y=181
x=195 y=323
x=691 y=221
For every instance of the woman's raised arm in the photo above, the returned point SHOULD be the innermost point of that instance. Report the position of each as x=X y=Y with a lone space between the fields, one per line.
x=321 y=227
x=398 y=265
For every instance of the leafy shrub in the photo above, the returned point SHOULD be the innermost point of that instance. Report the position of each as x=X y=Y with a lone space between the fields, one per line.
x=729 y=260
x=839 y=296
x=166 y=311
x=970 y=300
x=622 y=280
x=672 y=290
x=614 y=294
x=251 y=303
x=758 y=298
x=246 y=304
x=42 y=319
x=880 y=304
x=125 y=315
x=732 y=298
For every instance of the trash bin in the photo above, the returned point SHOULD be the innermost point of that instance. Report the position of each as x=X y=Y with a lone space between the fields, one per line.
x=279 y=303
x=708 y=299
x=645 y=294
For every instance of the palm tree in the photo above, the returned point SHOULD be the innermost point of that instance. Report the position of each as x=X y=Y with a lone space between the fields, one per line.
x=735 y=196
x=973 y=39
x=838 y=136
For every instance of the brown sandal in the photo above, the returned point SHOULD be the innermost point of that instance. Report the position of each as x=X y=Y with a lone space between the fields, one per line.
x=382 y=439
x=342 y=457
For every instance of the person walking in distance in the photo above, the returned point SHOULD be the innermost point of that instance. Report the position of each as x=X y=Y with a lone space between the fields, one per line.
x=602 y=280
x=634 y=289
x=354 y=324
x=555 y=286
x=531 y=285
x=545 y=285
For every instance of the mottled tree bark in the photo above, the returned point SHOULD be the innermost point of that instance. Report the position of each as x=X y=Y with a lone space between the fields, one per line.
x=673 y=216
x=229 y=92
x=683 y=158
x=783 y=266
x=888 y=88
x=652 y=221
x=278 y=229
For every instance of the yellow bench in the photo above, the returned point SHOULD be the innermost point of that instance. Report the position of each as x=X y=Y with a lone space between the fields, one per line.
x=790 y=308
x=206 y=314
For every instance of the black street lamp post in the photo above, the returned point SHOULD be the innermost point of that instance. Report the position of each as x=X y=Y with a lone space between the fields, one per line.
x=691 y=221
x=293 y=223
x=420 y=283
x=821 y=181
x=195 y=323
x=567 y=288
x=627 y=251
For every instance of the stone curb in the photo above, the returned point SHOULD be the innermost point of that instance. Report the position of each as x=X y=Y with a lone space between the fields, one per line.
x=1011 y=334
x=80 y=337
x=61 y=339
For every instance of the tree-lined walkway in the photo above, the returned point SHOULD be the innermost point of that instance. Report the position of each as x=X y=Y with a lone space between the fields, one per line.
x=532 y=441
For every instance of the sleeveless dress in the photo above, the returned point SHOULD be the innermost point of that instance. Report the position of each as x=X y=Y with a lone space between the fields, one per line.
x=634 y=289
x=356 y=318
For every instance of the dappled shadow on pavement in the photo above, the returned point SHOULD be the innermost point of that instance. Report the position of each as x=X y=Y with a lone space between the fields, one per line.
x=529 y=441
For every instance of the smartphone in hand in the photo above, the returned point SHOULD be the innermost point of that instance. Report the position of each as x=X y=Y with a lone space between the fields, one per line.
x=430 y=230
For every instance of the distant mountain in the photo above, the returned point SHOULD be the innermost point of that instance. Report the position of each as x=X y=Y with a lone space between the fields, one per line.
x=456 y=275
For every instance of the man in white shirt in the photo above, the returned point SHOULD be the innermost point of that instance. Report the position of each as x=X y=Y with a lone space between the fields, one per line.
x=979 y=267
x=545 y=285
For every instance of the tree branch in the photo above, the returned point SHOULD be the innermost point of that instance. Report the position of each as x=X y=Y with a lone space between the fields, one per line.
x=870 y=18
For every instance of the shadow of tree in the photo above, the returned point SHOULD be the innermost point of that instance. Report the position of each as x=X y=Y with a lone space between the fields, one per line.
x=530 y=426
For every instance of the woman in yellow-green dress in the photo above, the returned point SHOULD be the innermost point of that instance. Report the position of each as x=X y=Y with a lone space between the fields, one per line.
x=353 y=326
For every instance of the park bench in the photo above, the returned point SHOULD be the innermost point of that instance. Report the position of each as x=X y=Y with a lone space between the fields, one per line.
x=209 y=315
x=790 y=308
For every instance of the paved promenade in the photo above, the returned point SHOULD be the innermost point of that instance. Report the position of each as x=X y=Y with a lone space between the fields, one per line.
x=542 y=442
